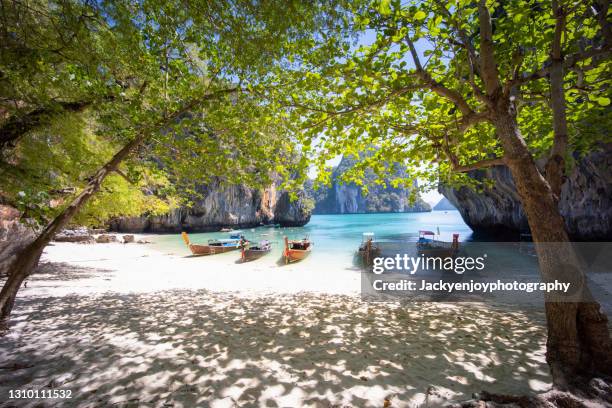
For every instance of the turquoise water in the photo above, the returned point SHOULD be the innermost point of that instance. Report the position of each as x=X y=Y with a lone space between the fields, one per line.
x=338 y=236
x=336 y=239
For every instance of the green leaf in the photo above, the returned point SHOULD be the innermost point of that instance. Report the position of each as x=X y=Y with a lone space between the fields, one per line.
x=420 y=15
x=384 y=7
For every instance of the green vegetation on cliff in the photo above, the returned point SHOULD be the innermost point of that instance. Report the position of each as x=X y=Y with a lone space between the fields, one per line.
x=371 y=195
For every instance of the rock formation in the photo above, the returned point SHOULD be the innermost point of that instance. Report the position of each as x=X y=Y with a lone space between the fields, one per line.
x=444 y=205
x=585 y=202
x=349 y=198
x=223 y=206
x=292 y=213
x=15 y=234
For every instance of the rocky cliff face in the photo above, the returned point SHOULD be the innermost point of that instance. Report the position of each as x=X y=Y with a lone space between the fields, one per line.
x=14 y=235
x=222 y=206
x=349 y=198
x=292 y=213
x=585 y=202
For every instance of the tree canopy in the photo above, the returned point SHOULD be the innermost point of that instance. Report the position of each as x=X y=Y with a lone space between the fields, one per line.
x=412 y=90
x=81 y=79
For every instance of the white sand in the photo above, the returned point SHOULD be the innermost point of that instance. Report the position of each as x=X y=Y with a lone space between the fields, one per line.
x=143 y=268
x=130 y=326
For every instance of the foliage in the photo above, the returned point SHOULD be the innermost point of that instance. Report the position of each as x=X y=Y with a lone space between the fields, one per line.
x=380 y=97
x=119 y=197
x=81 y=79
x=50 y=164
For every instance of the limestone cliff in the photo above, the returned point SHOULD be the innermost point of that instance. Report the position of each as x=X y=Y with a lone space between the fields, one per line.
x=444 y=205
x=293 y=213
x=222 y=206
x=349 y=198
x=585 y=202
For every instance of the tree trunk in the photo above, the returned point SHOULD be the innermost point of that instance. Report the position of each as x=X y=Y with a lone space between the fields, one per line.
x=27 y=259
x=578 y=338
x=555 y=166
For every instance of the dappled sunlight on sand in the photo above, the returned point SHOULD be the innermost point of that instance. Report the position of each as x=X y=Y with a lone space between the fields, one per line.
x=201 y=348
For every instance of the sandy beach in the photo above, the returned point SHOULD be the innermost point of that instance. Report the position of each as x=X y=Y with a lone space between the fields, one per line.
x=129 y=325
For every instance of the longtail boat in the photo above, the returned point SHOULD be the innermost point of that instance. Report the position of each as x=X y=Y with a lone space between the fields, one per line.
x=215 y=246
x=369 y=248
x=433 y=248
x=254 y=252
x=296 y=250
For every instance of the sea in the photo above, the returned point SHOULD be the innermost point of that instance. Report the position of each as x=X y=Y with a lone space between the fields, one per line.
x=338 y=236
x=336 y=239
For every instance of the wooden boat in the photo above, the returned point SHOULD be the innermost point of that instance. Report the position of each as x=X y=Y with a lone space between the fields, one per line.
x=252 y=253
x=296 y=250
x=433 y=248
x=369 y=248
x=215 y=246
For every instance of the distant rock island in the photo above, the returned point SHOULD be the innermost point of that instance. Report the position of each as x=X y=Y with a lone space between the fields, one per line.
x=444 y=205
x=349 y=198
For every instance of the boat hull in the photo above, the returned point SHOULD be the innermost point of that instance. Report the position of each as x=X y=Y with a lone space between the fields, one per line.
x=432 y=248
x=197 y=249
x=437 y=252
x=251 y=254
x=296 y=250
x=214 y=246
x=368 y=253
x=295 y=255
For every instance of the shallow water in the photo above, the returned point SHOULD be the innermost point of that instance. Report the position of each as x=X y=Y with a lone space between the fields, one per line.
x=337 y=237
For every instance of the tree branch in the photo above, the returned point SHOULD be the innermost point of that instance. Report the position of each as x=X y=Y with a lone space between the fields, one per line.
x=471 y=119
x=18 y=125
x=436 y=86
x=483 y=164
x=353 y=108
x=569 y=63
x=555 y=166
x=488 y=64
x=517 y=60
x=406 y=129
x=602 y=19
x=124 y=176
x=459 y=168
x=94 y=182
x=465 y=39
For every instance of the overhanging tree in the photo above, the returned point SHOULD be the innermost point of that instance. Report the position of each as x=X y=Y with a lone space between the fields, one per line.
x=449 y=87
x=186 y=90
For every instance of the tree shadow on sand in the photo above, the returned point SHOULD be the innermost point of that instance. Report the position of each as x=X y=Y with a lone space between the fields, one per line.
x=62 y=271
x=200 y=348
